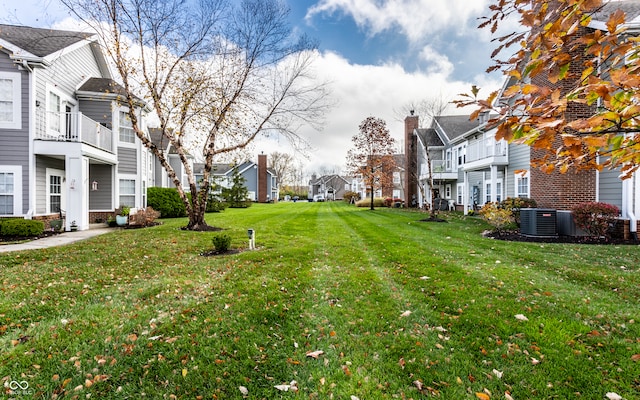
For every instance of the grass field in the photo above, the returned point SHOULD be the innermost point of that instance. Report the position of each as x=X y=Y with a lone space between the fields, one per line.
x=336 y=302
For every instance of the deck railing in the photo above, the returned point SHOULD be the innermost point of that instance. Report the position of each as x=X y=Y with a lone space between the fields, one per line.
x=73 y=127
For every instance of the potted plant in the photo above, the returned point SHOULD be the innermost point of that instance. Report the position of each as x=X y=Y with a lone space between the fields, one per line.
x=122 y=215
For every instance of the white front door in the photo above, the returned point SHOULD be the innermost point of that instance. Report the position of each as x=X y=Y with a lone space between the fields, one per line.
x=56 y=188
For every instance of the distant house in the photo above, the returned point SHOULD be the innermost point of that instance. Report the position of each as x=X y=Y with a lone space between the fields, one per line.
x=332 y=187
x=66 y=141
x=161 y=177
x=260 y=181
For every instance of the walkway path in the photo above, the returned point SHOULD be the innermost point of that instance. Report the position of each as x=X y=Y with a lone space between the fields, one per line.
x=56 y=240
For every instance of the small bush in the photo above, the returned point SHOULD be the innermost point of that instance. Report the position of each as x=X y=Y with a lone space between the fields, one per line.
x=222 y=242
x=595 y=218
x=215 y=205
x=515 y=204
x=390 y=202
x=348 y=196
x=144 y=217
x=167 y=201
x=21 y=227
x=498 y=217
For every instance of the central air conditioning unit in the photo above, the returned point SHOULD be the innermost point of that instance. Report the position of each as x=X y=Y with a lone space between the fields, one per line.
x=567 y=225
x=538 y=222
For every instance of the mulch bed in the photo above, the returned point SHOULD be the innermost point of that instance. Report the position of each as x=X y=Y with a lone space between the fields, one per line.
x=20 y=239
x=213 y=253
x=514 y=236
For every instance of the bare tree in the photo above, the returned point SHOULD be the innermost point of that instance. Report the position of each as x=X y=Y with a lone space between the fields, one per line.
x=216 y=73
x=372 y=155
x=282 y=164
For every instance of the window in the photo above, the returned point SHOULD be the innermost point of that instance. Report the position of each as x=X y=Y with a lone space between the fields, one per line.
x=447 y=191
x=55 y=190
x=127 y=192
x=522 y=184
x=54 y=113
x=127 y=134
x=460 y=193
x=498 y=191
x=396 y=177
x=10 y=100
x=10 y=190
x=487 y=193
x=6 y=193
x=448 y=160
x=396 y=194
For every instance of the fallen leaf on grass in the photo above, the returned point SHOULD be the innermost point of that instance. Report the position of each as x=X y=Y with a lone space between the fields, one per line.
x=417 y=384
x=635 y=357
x=507 y=396
x=482 y=396
x=613 y=396
x=315 y=354
x=284 y=388
x=521 y=317
x=244 y=390
x=497 y=373
x=406 y=313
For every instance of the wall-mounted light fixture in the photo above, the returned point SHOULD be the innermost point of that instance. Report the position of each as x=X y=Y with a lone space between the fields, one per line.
x=94 y=186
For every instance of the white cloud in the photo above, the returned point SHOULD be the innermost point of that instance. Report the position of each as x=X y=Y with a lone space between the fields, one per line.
x=437 y=62
x=365 y=90
x=416 y=19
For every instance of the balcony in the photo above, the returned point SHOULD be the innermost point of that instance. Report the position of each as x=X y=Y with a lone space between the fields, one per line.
x=439 y=170
x=72 y=127
x=485 y=152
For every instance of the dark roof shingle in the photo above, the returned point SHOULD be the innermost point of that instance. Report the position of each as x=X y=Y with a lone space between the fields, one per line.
x=40 y=42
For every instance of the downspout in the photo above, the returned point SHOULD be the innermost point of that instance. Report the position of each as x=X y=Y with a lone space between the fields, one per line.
x=628 y=205
x=31 y=129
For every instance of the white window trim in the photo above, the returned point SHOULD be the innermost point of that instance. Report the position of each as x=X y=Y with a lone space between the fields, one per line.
x=517 y=178
x=447 y=191
x=493 y=188
x=64 y=100
x=117 y=130
x=55 y=172
x=16 y=79
x=16 y=170
x=136 y=193
x=460 y=193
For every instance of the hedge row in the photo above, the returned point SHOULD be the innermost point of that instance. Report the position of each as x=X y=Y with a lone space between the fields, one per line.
x=21 y=227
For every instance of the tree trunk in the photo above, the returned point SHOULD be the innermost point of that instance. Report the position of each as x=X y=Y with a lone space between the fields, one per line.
x=196 y=215
x=372 y=197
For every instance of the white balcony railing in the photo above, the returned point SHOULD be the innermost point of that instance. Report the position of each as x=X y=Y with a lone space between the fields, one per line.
x=485 y=148
x=73 y=127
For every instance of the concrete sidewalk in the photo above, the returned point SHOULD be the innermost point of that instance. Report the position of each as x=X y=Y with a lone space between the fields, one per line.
x=56 y=240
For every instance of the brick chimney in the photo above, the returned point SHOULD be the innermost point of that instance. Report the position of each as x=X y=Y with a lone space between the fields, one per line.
x=262 y=178
x=411 y=123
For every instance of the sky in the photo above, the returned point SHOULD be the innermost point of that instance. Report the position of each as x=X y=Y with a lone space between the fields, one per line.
x=379 y=55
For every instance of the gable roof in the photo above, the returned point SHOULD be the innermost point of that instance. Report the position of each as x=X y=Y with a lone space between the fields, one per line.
x=454 y=126
x=429 y=137
x=40 y=42
x=630 y=7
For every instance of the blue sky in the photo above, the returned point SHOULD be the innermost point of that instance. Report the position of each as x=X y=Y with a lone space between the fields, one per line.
x=380 y=55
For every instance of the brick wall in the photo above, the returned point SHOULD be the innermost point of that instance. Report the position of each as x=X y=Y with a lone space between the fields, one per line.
x=411 y=159
x=555 y=190
x=262 y=178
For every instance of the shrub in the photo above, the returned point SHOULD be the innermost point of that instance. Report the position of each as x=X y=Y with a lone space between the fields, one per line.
x=348 y=196
x=498 y=217
x=515 y=204
x=377 y=202
x=389 y=202
x=222 y=242
x=215 y=205
x=144 y=217
x=595 y=218
x=167 y=201
x=21 y=227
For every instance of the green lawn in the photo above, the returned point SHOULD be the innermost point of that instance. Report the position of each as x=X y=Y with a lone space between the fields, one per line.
x=399 y=309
